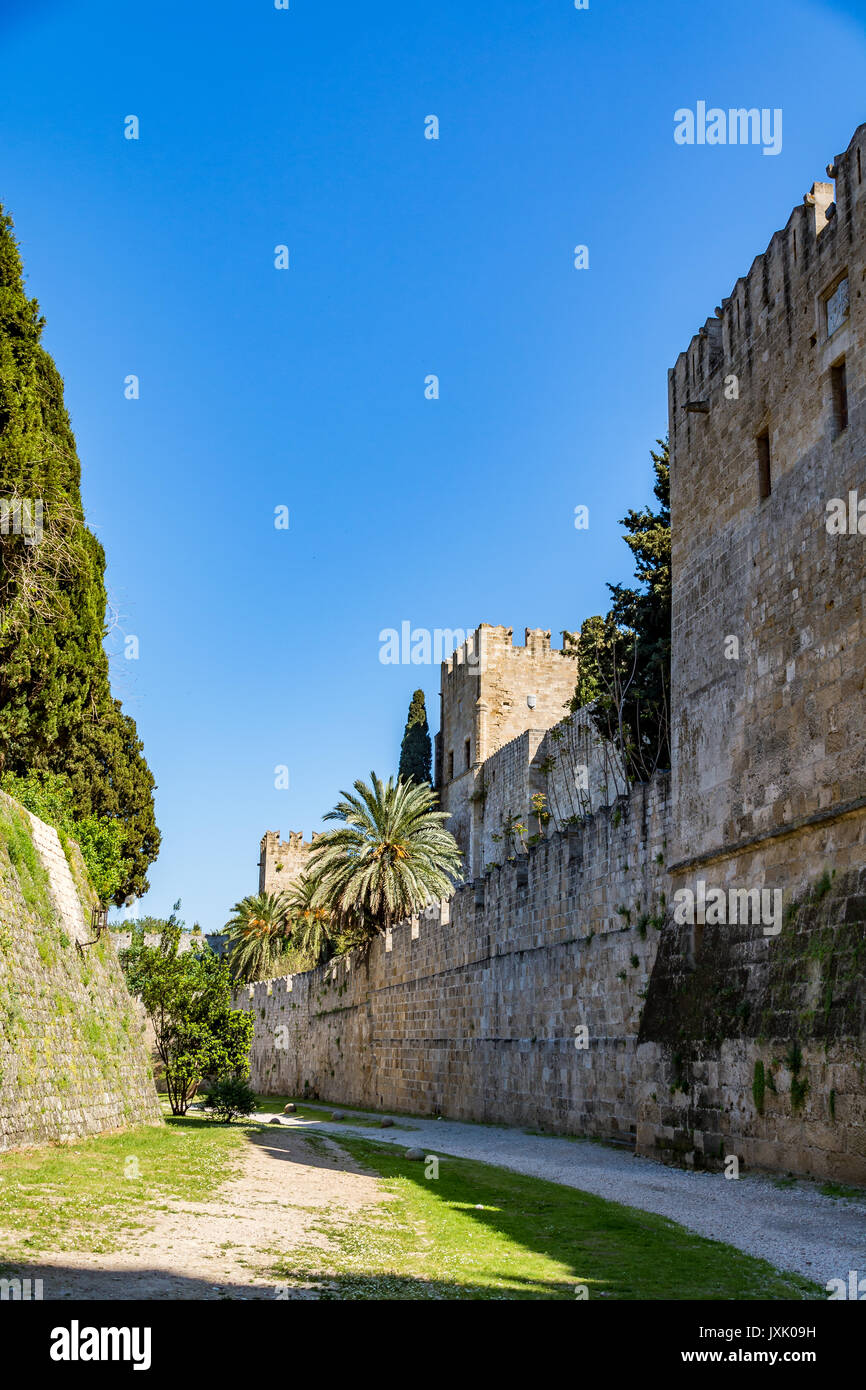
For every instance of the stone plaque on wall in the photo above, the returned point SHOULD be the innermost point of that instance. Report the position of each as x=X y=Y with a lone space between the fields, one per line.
x=837 y=307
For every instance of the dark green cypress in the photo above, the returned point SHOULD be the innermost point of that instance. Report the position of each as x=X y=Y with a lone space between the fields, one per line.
x=415 y=753
x=624 y=659
x=57 y=713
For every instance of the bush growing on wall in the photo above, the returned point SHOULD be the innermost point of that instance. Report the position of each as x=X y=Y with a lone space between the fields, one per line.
x=49 y=796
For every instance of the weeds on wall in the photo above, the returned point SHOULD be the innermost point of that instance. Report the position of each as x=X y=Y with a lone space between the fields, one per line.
x=22 y=859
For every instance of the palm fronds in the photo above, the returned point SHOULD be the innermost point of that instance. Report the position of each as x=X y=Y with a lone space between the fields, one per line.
x=390 y=856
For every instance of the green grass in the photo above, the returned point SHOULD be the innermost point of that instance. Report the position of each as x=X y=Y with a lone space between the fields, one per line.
x=79 y=1197
x=480 y=1232
x=841 y=1189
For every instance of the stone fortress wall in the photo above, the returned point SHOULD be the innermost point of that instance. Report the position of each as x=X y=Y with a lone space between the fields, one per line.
x=471 y=1009
x=73 y=1053
x=767 y=412
x=705 y=1038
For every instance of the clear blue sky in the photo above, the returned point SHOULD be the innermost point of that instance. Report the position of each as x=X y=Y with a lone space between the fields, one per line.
x=305 y=388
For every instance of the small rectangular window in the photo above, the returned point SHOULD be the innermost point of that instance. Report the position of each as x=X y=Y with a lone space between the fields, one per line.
x=765 y=485
x=450 y=767
x=468 y=760
x=839 y=385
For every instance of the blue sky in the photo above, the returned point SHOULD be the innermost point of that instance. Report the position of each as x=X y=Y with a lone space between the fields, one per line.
x=305 y=388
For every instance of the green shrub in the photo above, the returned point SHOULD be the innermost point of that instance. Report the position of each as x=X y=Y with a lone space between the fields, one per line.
x=230 y=1097
x=17 y=839
x=49 y=796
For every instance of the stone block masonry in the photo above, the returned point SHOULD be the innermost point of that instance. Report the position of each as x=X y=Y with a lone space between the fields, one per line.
x=493 y=692
x=73 y=1055
x=475 y=1009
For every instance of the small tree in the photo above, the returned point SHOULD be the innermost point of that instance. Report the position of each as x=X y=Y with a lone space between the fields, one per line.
x=188 y=1000
x=415 y=754
x=230 y=1097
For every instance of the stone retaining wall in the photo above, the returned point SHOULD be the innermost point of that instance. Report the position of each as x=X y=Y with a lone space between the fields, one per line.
x=73 y=1058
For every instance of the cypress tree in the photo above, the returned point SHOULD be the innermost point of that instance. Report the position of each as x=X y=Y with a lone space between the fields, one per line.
x=624 y=659
x=415 y=755
x=57 y=713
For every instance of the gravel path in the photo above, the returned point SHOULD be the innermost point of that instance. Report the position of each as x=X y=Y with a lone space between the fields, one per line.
x=795 y=1228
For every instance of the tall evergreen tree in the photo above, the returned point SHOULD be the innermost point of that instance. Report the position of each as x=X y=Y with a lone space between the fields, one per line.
x=415 y=754
x=57 y=713
x=624 y=659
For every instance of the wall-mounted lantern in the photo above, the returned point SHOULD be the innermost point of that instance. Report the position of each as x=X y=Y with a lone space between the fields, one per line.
x=98 y=924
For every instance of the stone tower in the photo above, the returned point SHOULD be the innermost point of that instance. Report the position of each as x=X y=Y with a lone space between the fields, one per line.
x=281 y=862
x=491 y=692
x=767 y=422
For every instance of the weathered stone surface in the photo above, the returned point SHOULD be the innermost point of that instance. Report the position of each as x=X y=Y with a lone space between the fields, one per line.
x=281 y=862
x=73 y=1054
x=492 y=692
x=475 y=1010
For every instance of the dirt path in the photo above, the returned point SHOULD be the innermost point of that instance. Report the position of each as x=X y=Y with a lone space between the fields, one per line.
x=218 y=1248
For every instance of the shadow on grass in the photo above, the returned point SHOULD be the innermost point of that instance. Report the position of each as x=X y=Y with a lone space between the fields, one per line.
x=488 y=1233
x=67 y=1283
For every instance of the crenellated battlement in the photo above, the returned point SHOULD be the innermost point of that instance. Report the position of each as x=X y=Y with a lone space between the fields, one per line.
x=777 y=277
x=281 y=862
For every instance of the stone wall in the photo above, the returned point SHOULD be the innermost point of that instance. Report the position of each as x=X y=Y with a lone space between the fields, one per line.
x=544 y=779
x=769 y=652
x=768 y=693
x=755 y=1044
x=702 y=1042
x=730 y=1006
x=73 y=1058
x=189 y=940
x=752 y=1042
x=472 y=1009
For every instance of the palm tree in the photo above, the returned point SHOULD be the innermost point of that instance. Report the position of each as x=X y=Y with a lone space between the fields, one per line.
x=258 y=936
x=390 y=857
x=310 y=920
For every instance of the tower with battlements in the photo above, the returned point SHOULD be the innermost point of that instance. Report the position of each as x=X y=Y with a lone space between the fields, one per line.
x=491 y=692
x=281 y=862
